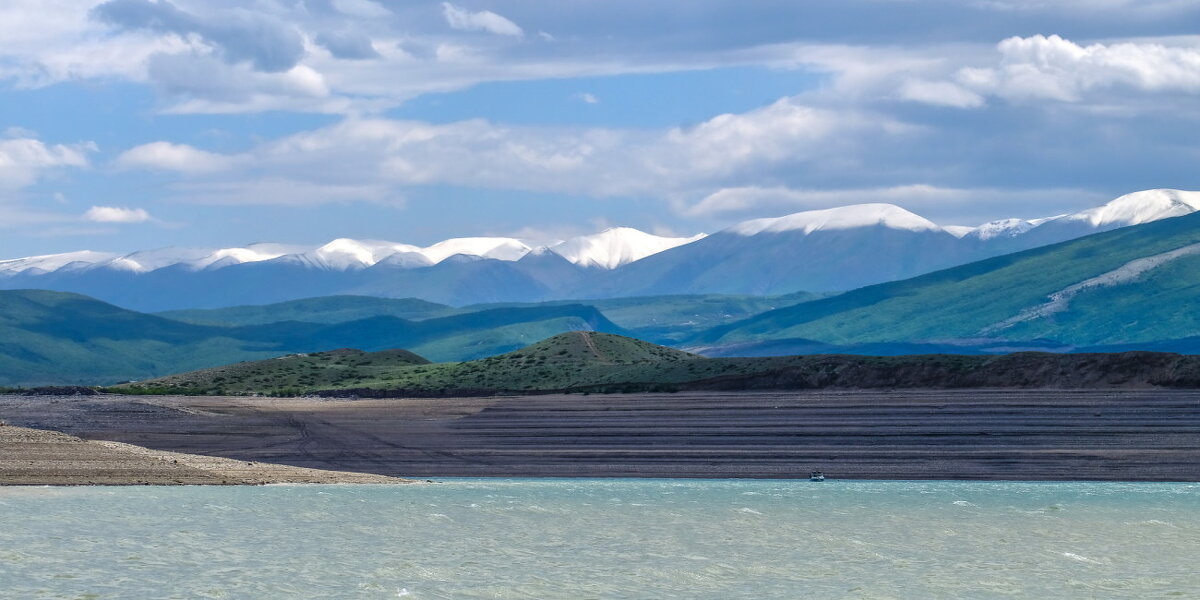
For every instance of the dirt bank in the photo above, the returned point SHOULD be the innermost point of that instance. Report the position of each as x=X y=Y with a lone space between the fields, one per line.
x=1148 y=435
x=38 y=457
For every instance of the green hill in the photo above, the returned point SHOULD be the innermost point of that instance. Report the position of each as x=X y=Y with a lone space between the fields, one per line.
x=54 y=338
x=1130 y=285
x=51 y=338
x=325 y=309
x=663 y=319
x=289 y=373
x=566 y=360
x=597 y=362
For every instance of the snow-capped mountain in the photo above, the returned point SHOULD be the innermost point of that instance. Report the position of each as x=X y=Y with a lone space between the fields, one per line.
x=616 y=246
x=855 y=216
x=821 y=250
x=608 y=249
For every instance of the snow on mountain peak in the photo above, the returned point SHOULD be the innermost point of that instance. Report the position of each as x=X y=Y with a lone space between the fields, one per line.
x=616 y=246
x=1139 y=207
x=500 y=248
x=52 y=262
x=843 y=217
x=345 y=253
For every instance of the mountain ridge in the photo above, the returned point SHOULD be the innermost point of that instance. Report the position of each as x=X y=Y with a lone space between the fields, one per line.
x=822 y=251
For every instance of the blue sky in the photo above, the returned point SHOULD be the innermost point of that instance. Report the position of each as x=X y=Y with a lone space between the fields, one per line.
x=134 y=124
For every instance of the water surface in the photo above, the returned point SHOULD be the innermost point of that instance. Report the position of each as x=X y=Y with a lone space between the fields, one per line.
x=510 y=538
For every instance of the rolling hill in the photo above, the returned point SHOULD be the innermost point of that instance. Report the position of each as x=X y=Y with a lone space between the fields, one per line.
x=584 y=362
x=54 y=338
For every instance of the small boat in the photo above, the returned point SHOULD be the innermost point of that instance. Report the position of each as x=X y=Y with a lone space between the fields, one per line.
x=816 y=476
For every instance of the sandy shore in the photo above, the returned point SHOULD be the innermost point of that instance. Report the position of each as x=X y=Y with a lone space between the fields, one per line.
x=1142 y=435
x=38 y=457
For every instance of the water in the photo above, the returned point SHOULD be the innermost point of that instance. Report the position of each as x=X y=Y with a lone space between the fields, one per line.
x=604 y=539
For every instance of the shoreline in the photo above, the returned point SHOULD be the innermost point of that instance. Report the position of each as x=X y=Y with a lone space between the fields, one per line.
x=953 y=435
x=39 y=457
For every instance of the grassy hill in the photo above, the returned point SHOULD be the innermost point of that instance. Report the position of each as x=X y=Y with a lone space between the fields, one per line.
x=597 y=362
x=289 y=374
x=662 y=319
x=55 y=338
x=325 y=309
x=1128 y=285
x=565 y=360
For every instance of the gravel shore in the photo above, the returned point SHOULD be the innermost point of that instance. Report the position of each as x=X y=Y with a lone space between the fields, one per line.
x=1112 y=435
x=39 y=457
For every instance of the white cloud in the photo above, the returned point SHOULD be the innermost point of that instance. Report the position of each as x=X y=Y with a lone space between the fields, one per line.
x=486 y=20
x=24 y=160
x=963 y=205
x=941 y=93
x=374 y=159
x=115 y=214
x=587 y=98
x=1051 y=67
x=172 y=157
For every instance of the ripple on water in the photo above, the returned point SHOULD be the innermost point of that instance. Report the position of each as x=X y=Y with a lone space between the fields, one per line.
x=603 y=538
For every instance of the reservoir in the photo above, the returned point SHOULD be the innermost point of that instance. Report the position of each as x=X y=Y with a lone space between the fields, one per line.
x=604 y=538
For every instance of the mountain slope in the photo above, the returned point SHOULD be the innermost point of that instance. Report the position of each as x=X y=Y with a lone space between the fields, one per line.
x=324 y=309
x=1129 y=284
x=51 y=338
x=817 y=251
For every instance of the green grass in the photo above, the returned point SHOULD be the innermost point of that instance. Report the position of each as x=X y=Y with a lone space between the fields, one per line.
x=325 y=309
x=285 y=375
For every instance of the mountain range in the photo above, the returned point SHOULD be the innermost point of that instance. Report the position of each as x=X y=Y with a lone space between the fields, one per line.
x=1131 y=288
x=814 y=251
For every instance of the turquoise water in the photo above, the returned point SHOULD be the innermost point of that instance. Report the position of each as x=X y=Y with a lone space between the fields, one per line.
x=511 y=538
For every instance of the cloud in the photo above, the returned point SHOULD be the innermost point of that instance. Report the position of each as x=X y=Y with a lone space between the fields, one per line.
x=965 y=205
x=587 y=98
x=941 y=93
x=172 y=157
x=114 y=214
x=486 y=20
x=240 y=35
x=374 y=159
x=1054 y=68
x=349 y=45
x=24 y=160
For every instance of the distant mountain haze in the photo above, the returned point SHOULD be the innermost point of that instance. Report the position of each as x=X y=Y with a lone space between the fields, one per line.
x=816 y=251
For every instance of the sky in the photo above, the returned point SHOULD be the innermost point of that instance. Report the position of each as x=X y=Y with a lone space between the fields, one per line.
x=137 y=124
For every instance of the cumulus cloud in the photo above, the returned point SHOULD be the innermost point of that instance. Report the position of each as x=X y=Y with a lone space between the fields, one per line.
x=240 y=35
x=24 y=160
x=172 y=157
x=486 y=20
x=116 y=214
x=1051 y=67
